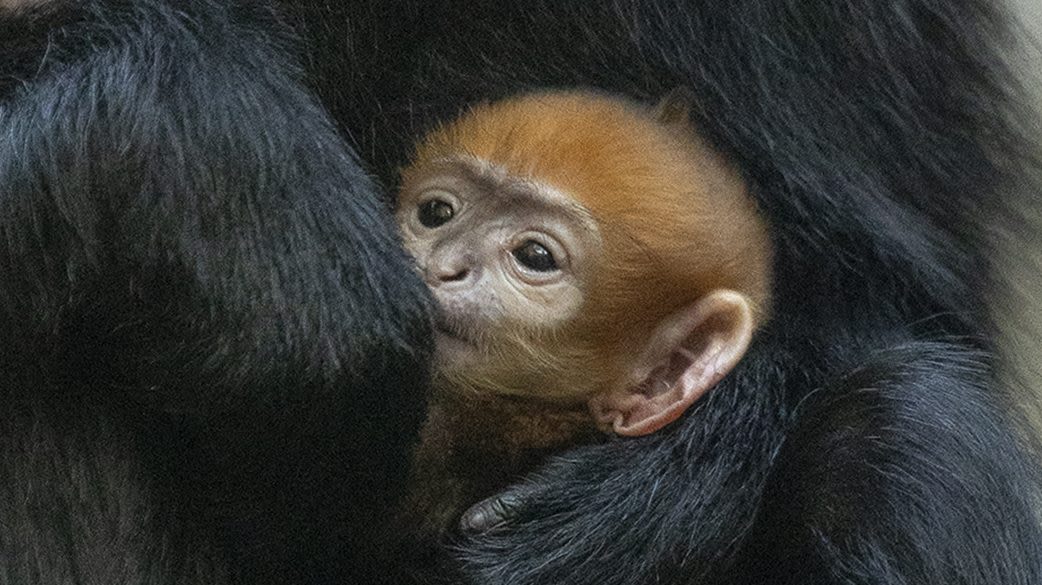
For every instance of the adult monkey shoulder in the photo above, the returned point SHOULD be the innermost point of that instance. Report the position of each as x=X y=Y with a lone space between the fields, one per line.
x=204 y=310
x=860 y=130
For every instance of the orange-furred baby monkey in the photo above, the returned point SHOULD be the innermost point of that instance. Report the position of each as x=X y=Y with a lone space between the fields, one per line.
x=598 y=268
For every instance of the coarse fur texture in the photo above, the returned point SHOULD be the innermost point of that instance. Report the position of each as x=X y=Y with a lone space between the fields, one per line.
x=1017 y=292
x=13 y=5
x=212 y=348
x=182 y=229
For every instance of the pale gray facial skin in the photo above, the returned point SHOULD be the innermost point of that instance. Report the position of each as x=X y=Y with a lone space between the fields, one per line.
x=500 y=254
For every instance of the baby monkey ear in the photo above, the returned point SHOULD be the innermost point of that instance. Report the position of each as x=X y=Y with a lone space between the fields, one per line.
x=688 y=353
x=674 y=109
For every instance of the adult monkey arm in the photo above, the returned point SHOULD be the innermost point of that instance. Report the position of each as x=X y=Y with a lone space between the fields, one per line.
x=203 y=306
x=869 y=133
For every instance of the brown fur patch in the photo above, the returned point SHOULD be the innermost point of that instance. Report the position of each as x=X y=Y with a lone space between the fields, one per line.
x=472 y=446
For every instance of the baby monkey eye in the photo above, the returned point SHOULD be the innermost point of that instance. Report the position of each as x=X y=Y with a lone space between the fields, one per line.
x=535 y=256
x=435 y=213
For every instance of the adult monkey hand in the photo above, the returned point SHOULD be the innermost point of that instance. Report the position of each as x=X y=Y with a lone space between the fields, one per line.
x=497 y=511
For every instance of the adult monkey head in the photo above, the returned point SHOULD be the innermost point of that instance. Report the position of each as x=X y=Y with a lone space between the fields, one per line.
x=585 y=249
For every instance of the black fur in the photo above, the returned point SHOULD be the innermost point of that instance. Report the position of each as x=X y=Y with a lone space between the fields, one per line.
x=190 y=303
x=213 y=349
x=864 y=439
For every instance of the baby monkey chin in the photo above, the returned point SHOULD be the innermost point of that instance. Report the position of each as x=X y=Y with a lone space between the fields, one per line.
x=455 y=344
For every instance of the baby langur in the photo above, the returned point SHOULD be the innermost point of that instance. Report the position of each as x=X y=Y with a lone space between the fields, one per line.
x=598 y=268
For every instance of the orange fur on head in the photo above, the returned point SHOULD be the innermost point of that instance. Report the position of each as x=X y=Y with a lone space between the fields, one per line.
x=675 y=218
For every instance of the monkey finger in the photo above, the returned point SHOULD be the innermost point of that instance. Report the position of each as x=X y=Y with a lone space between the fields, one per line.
x=494 y=512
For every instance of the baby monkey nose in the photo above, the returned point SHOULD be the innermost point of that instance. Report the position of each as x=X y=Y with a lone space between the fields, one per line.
x=452 y=275
x=449 y=270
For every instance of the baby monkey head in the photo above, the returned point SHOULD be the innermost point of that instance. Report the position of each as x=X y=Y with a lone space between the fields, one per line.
x=585 y=249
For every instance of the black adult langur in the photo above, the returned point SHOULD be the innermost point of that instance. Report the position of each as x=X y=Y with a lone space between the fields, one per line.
x=863 y=439
x=209 y=336
x=212 y=349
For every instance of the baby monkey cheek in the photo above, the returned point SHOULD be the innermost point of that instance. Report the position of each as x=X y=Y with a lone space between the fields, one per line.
x=475 y=306
x=547 y=306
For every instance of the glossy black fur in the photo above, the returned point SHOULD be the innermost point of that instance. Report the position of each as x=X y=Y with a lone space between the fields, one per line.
x=212 y=349
x=195 y=293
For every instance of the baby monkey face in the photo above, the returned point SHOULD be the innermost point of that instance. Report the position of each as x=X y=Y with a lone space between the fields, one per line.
x=585 y=249
x=507 y=258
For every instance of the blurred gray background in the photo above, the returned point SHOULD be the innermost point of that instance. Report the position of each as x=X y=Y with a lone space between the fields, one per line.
x=1018 y=298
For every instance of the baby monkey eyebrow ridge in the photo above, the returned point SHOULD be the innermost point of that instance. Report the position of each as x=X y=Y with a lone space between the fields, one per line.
x=525 y=190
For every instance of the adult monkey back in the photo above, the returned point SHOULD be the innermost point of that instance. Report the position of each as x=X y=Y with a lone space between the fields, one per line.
x=863 y=439
x=211 y=346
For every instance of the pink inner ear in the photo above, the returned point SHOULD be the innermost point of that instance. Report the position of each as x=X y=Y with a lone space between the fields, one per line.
x=664 y=377
x=687 y=381
x=668 y=391
x=692 y=350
